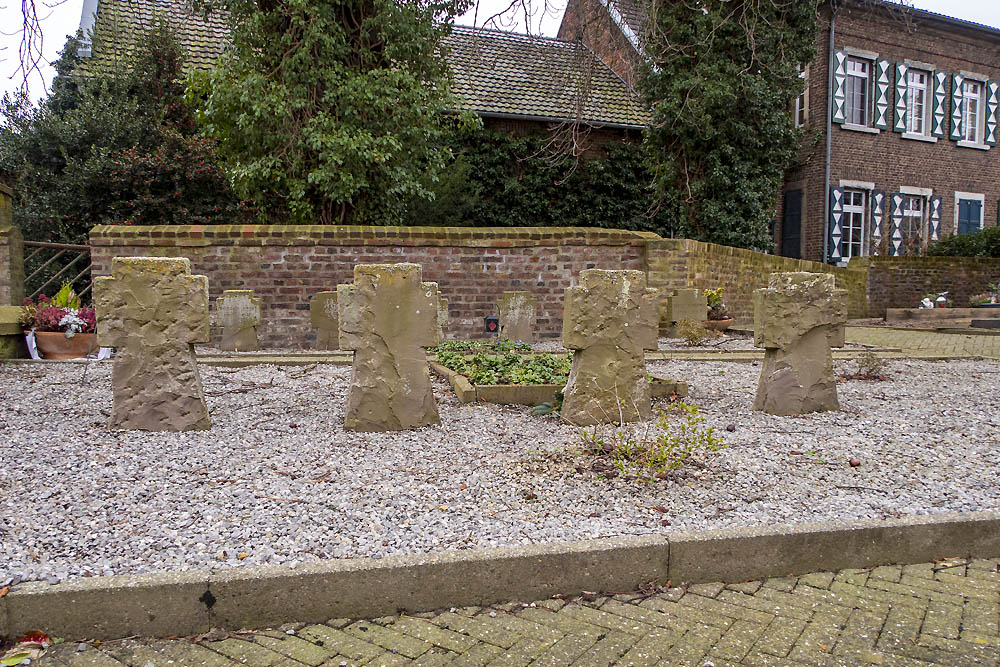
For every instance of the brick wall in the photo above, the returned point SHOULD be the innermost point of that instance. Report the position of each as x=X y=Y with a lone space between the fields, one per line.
x=287 y=265
x=885 y=158
x=901 y=282
x=11 y=254
x=679 y=263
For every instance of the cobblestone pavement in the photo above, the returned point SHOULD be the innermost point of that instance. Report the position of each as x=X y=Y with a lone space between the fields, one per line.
x=943 y=613
x=917 y=341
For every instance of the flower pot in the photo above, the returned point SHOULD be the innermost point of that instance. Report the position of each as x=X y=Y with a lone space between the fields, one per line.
x=54 y=345
x=718 y=325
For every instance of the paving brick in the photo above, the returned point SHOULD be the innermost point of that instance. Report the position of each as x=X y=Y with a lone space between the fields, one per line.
x=879 y=596
x=694 y=645
x=817 y=579
x=954 y=586
x=652 y=648
x=920 y=570
x=648 y=616
x=855 y=577
x=66 y=654
x=738 y=640
x=981 y=617
x=436 y=657
x=902 y=626
x=296 y=648
x=483 y=628
x=606 y=619
x=607 y=651
x=564 y=623
x=887 y=573
x=942 y=620
x=706 y=590
x=686 y=614
x=388 y=659
x=522 y=653
x=785 y=584
x=428 y=632
x=389 y=639
x=780 y=636
x=529 y=629
x=725 y=609
x=748 y=587
x=975 y=582
x=803 y=602
x=245 y=652
x=340 y=642
x=765 y=605
x=565 y=651
x=819 y=635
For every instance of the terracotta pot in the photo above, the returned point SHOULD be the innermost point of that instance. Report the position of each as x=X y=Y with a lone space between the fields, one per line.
x=55 y=345
x=718 y=325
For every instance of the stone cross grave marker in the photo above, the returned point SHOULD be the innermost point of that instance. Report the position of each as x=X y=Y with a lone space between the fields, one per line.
x=797 y=318
x=610 y=319
x=442 y=317
x=153 y=310
x=517 y=316
x=238 y=313
x=323 y=317
x=387 y=316
x=683 y=304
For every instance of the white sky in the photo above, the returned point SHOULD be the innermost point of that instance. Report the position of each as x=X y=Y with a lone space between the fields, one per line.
x=62 y=17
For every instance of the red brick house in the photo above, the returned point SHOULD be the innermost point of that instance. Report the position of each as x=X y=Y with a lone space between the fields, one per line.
x=900 y=121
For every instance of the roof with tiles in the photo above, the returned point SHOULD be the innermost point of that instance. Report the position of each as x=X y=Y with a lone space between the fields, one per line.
x=494 y=73
x=500 y=73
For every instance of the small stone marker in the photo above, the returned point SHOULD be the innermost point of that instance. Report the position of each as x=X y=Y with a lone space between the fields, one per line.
x=797 y=318
x=153 y=310
x=610 y=320
x=442 y=316
x=323 y=317
x=517 y=316
x=387 y=317
x=238 y=313
x=684 y=304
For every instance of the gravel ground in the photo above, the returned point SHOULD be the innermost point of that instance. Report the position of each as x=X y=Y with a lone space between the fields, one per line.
x=277 y=480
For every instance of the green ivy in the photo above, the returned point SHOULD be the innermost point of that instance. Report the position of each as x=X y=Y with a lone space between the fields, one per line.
x=497 y=180
x=483 y=368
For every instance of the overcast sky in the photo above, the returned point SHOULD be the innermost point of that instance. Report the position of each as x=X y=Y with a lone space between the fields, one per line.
x=63 y=18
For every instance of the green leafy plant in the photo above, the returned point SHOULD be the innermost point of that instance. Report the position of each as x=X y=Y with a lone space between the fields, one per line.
x=678 y=436
x=991 y=295
x=984 y=243
x=716 y=306
x=483 y=368
x=549 y=407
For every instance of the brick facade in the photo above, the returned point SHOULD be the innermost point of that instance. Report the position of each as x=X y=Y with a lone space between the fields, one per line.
x=884 y=158
x=901 y=282
x=11 y=254
x=589 y=22
x=286 y=266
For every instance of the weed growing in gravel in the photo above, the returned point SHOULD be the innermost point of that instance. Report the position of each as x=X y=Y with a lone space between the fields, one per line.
x=678 y=436
x=870 y=367
x=693 y=333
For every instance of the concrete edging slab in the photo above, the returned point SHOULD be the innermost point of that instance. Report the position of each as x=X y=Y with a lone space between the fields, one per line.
x=254 y=597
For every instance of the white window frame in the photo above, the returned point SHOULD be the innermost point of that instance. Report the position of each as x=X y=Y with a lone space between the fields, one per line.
x=969 y=196
x=980 y=118
x=847 y=229
x=802 y=100
x=868 y=101
x=924 y=194
x=926 y=90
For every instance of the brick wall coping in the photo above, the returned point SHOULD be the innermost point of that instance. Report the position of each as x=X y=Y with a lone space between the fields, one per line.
x=343 y=235
x=862 y=263
x=6 y=190
x=6 y=231
x=702 y=247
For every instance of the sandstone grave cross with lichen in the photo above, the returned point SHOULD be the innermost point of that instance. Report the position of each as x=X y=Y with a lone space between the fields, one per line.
x=387 y=316
x=797 y=318
x=153 y=310
x=610 y=319
x=517 y=316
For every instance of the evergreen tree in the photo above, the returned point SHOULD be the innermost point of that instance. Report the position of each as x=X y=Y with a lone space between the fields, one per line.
x=332 y=111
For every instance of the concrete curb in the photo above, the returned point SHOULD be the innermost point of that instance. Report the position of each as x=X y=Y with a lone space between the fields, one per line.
x=255 y=597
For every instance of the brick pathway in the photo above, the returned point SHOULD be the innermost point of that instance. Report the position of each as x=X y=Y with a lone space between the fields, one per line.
x=921 y=341
x=942 y=614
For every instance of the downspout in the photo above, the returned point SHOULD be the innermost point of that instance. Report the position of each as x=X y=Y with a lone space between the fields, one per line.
x=829 y=132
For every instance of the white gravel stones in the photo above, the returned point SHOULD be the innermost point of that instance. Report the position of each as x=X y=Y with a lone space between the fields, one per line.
x=277 y=480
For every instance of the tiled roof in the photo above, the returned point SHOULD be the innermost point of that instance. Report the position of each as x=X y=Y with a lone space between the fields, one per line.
x=120 y=21
x=493 y=72
x=510 y=74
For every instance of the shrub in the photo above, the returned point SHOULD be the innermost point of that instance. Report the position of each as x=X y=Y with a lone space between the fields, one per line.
x=693 y=333
x=509 y=368
x=984 y=243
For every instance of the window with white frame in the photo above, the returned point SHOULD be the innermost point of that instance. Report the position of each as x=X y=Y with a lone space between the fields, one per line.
x=914 y=218
x=802 y=101
x=855 y=209
x=858 y=88
x=972 y=111
x=917 y=83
